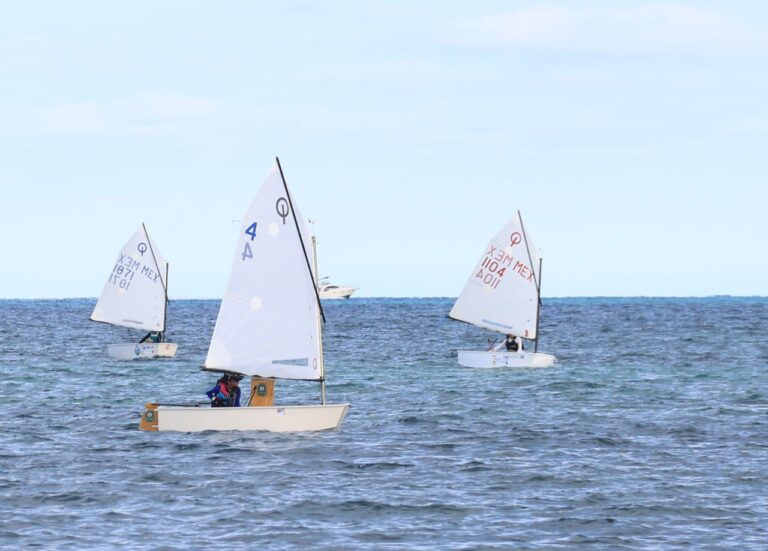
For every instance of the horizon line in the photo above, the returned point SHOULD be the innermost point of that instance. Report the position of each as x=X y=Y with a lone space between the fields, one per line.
x=719 y=295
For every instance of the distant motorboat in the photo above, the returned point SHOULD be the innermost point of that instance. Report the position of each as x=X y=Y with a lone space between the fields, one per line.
x=328 y=290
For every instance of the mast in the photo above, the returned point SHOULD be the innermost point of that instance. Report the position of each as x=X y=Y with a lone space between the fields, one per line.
x=536 y=280
x=319 y=325
x=164 y=282
x=165 y=306
x=538 y=311
x=314 y=254
x=321 y=360
x=313 y=277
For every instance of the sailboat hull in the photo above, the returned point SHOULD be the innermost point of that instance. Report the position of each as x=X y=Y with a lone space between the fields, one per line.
x=490 y=359
x=134 y=351
x=263 y=418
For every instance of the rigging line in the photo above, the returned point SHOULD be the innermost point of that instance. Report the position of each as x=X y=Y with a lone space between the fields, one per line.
x=301 y=239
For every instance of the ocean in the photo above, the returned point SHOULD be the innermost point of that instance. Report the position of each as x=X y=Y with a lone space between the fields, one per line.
x=651 y=432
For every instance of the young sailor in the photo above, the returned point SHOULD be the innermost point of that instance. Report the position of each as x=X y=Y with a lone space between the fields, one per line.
x=511 y=344
x=152 y=336
x=226 y=392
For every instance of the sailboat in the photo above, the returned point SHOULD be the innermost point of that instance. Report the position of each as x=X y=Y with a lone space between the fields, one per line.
x=503 y=294
x=136 y=296
x=269 y=327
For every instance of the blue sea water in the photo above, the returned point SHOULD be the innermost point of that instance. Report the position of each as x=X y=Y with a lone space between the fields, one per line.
x=650 y=433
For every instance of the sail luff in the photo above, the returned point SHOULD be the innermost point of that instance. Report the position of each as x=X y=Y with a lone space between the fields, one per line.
x=301 y=239
x=164 y=283
x=154 y=259
x=536 y=274
x=528 y=250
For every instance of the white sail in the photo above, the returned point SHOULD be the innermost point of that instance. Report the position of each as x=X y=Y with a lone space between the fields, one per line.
x=268 y=320
x=135 y=293
x=502 y=291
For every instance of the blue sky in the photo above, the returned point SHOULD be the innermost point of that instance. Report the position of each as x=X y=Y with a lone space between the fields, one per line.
x=632 y=135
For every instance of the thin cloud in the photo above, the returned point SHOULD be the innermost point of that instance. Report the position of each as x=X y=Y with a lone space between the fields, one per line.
x=149 y=115
x=648 y=29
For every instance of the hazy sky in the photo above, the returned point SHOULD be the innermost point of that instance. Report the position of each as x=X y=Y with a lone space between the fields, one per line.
x=632 y=135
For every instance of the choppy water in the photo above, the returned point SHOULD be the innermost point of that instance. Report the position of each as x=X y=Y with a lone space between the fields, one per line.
x=651 y=433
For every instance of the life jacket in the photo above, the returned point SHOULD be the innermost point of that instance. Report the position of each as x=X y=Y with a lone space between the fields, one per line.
x=219 y=402
x=511 y=345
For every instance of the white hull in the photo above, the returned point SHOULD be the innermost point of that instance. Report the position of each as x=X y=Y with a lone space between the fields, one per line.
x=264 y=418
x=337 y=292
x=481 y=358
x=135 y=351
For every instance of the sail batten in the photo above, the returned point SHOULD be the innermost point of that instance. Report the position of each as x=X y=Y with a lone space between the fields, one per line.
x=267 y=322
x=134 y=295
x=502 y=292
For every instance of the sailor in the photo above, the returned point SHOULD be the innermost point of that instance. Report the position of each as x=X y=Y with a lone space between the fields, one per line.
x=219 y=394
x=234 y=390
x=513 y=344
x=152 y=336
x=226 y=393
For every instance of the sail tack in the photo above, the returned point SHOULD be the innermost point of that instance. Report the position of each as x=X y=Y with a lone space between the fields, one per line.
x=135 y=293
x=501 y=293
x=268 y=320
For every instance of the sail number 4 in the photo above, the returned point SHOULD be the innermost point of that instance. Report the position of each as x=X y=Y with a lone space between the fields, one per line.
x=250 y=231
